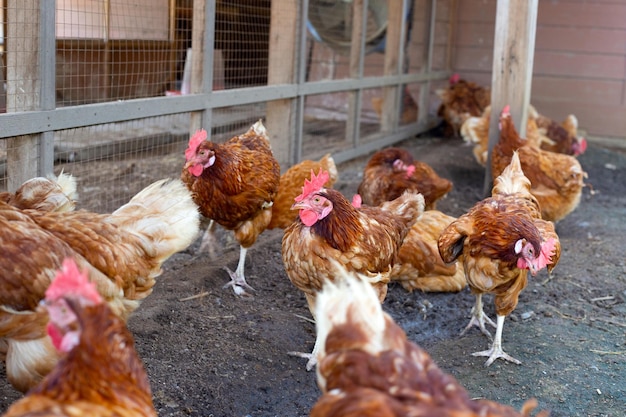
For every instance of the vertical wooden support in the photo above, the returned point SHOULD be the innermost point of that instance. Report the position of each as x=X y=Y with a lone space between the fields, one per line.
x=30 y=85
x=393 y=63
x=513 y=54
x=281 y=114
x=429 y=29
x=357 y=58
x=202 y=49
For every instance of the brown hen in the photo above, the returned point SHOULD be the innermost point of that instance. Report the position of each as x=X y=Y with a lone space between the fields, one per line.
x=122 y=251
x=461 y=100
x=329 y=228
x=501 y=238
x=291 y=185
x=234 y=183
x=556 y=179
x=100 y=373
x=391 y=171
x=368 y=367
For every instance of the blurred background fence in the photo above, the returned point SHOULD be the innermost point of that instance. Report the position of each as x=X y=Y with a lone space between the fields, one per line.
x=109 y=90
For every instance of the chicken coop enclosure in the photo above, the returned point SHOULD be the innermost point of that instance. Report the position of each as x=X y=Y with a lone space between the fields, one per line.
x=110 y=90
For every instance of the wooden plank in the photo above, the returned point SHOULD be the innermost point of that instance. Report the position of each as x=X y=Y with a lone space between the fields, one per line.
x=597 y=40
x=473 y=59
x=516 y=22
x=393 y=64
x=583 y=15
x=475 y=34
x=202 y=46
x=429 y=28
x=588 y=65
x=596 y=120
x=357 y=53
x=23 y=88
x=280 y=114
x=477 y=11
x=573 y=90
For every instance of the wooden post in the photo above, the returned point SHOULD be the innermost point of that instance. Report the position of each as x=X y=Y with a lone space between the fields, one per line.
x=202 y=49
x=393 y=63
x=281 y=114
x=357 y=55
x=513 y=53
x=429 y=35
x=30 y=85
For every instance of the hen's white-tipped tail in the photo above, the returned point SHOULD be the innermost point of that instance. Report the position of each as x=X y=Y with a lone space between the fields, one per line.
x=68 y=185
x=163 y=215
x=352 y=300
x=51 y=194
x=410 y=205
x=512 y=179
x=349 y=309
x=260 y=129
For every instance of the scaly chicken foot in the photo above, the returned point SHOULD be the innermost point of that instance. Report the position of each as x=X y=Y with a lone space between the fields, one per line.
x=237 y=278
x=239 y=284
x=496 y=351
x=479 y=318
x=312 y=357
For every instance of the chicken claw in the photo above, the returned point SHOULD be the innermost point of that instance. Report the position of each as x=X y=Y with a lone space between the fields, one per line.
x=238 y=283
x=494 y=353
x=496 y=347
x=479 y=318
x=310 y=356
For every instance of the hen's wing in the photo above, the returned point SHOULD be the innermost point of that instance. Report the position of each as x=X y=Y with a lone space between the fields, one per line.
x=419 y=264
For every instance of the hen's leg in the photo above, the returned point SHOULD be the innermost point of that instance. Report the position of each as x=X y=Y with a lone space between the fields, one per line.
x=496 y=347
x=312 y=357
x=208 y=244
x=238 y=280
x=479 y=317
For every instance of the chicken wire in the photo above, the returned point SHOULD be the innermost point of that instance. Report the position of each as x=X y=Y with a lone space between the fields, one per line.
x=113 y=52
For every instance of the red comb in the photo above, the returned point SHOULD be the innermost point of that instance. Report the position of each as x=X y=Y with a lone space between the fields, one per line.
x=315 y=184
x=195 y=141
x=70 y=281
x=506 y=110
x=357 y=201
x=454 y=78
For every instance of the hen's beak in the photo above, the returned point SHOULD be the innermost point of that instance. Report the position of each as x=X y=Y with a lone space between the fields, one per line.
x=299 y=205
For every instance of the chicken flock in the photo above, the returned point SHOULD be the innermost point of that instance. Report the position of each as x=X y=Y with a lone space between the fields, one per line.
x=72 y=278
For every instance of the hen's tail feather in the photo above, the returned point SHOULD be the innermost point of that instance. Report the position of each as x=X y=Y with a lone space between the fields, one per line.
x=410 y=205
x=163 y=215
x=512 y=179
x=350 y=299
x=51 y=194
x=68 y=185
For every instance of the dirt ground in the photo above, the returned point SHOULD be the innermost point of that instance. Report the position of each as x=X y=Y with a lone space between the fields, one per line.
x=218 y=355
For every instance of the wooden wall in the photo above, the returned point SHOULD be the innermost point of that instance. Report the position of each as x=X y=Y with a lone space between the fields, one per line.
x=580 y=58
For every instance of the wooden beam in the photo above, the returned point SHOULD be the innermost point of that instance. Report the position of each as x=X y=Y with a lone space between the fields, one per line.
x=357 y=55
x=30 y=86
x=202 y=53
x=281 y=114
x=513 y=53
x=393 y=63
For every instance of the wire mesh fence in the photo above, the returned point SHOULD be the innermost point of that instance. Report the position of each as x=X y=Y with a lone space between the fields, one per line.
x=113 y=95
